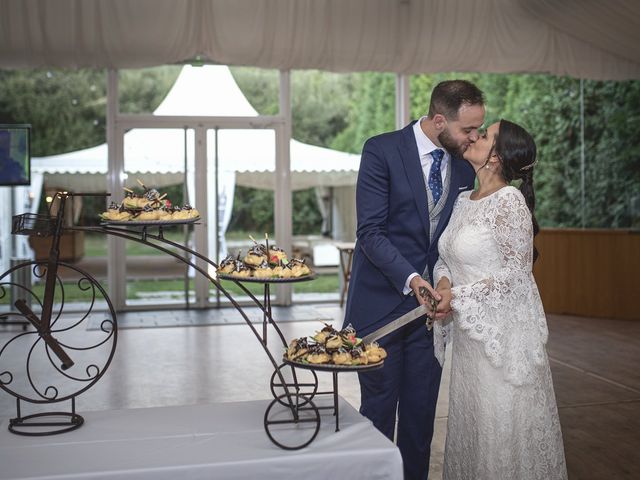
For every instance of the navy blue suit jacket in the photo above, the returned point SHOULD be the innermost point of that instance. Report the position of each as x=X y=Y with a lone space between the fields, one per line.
x=393 y=224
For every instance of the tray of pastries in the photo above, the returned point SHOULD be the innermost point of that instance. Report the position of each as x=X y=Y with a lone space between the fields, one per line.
x=148 y=207
x=264 y=263
x=330 y=350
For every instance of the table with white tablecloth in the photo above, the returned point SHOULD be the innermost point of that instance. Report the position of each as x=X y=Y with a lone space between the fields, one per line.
x=222 y=440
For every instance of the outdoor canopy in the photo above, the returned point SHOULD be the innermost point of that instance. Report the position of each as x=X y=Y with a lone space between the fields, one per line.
x=584 y=38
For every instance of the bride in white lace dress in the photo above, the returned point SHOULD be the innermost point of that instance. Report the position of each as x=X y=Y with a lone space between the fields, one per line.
x=503 y=420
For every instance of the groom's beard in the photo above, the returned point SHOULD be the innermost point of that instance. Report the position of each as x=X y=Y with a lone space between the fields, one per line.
x=449 y=144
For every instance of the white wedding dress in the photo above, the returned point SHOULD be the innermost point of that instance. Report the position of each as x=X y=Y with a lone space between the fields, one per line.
x=503 y=420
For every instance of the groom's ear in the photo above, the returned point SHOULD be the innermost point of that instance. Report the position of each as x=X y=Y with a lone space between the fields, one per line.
x=439 y=121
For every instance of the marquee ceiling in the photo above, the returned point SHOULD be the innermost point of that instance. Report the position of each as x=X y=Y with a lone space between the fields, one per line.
x=584 y=38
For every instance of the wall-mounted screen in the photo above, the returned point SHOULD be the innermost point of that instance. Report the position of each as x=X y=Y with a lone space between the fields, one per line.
x=15 y=155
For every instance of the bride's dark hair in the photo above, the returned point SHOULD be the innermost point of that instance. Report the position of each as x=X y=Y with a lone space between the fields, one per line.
x=516 y=150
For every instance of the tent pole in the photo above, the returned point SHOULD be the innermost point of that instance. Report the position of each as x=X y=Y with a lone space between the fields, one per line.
x=116 y=266
x=185 y=228
x=282 y=190
x=403 y=101
x=217 y=207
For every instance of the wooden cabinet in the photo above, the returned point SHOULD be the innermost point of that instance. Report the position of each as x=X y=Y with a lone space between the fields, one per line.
x=591 y=273
x=71 y=246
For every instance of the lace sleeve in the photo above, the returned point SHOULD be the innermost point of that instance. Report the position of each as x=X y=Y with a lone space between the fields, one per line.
x=442 y=330
x=504 y=310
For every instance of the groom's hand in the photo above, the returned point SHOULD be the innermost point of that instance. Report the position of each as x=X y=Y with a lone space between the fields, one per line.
x=416 y=283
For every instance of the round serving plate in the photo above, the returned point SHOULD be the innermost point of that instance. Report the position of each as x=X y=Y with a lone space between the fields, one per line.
x=147 y=223
x=330 y=367
x=304 y=278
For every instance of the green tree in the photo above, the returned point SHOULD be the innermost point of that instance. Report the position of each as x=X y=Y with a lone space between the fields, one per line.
x=372 y=111
x=142 y=90
x=320 y=101
x=549 y=107
x=66 y=108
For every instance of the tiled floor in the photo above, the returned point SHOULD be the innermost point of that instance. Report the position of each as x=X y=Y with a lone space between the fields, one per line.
x=594 y=363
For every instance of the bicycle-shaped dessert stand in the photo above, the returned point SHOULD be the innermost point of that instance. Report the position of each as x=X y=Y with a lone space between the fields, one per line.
x=68 y=352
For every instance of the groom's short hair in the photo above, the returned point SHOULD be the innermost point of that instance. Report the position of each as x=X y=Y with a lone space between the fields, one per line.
x=448 y=96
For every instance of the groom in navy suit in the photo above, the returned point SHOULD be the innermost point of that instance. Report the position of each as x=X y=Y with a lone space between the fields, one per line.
x=407 y=184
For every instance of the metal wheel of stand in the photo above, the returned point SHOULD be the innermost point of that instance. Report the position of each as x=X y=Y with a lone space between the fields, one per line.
x=61 y=359
x=290 y=423
x=297 y=381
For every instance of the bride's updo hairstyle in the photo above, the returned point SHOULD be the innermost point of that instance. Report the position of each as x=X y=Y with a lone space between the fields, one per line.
x=517 y=153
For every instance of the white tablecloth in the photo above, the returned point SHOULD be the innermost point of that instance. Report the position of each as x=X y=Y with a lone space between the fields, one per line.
x=219 y=441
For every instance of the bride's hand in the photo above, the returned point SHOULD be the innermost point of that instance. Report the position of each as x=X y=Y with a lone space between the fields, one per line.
x=444 y=305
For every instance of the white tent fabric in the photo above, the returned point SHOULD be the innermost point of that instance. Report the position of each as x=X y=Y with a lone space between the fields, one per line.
x=15 y=200
x=157 y=155
x=584 y=38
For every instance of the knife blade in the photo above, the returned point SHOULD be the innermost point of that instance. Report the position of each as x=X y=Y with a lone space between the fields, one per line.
x=428 y=309
x=397 y=323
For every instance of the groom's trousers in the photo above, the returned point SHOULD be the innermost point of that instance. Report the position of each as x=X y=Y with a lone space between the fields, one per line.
x=408 y=383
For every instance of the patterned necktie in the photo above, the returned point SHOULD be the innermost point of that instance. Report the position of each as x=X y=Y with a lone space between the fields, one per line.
x=435 y=177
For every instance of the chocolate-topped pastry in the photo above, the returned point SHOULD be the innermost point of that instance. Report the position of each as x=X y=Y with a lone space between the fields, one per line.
x=165 y=214
x=358 y=356
x=299 y=268
x=132 y=200
x=341 y=357
x=297 y=348
x=276 y=255
x=228 y=265
x=115 y=213
x=192 y=212
x=333 y=342
x=256 y=255
x=322 y=336
x=318 y=354
x=282 y=270
x=152 y=194
x=348 y=335
x=375 y=353
x=148 y=214
x=263 y=271
x=241 y=270
x=185 y=213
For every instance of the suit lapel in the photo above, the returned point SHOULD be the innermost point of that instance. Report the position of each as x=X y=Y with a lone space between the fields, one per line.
x=455 y=187
x=411 y=162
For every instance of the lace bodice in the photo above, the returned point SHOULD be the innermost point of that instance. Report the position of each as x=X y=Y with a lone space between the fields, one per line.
x=486 y=252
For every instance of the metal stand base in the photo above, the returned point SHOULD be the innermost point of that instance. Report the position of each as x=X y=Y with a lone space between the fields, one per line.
x=15 y=424
x=38 y=425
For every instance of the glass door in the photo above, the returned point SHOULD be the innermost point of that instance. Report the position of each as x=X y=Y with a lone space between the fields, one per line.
x=240 y=174
x=161 y=159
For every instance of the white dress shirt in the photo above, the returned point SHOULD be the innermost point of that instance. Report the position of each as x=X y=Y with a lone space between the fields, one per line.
x=425 y=147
